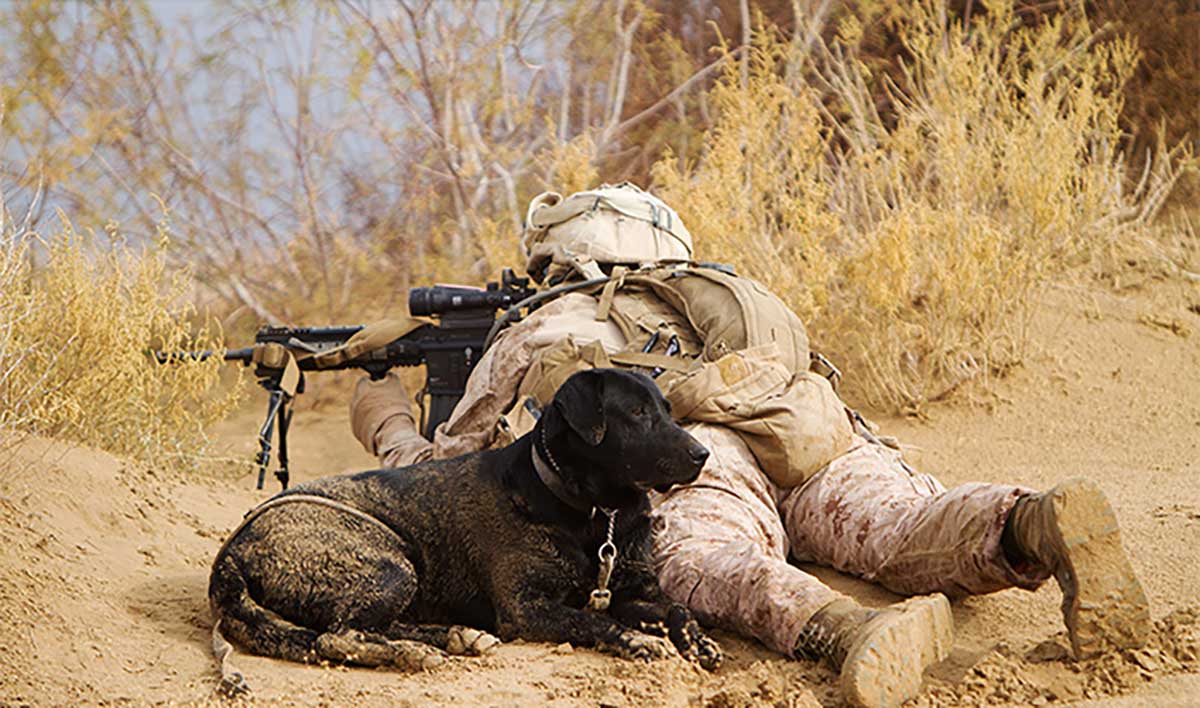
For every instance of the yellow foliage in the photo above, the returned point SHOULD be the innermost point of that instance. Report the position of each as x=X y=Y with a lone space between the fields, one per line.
x=914 y=246
x=501 y=247
x=571 y=165
x=74 y=340
x=758 y=199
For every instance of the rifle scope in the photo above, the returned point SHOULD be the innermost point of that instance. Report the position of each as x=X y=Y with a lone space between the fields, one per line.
x=440 y=299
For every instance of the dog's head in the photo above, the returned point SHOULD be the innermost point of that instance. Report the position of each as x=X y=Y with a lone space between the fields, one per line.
x=613 y=434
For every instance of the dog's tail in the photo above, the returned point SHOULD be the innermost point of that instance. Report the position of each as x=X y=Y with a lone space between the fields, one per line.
x=241 y=619
x=233 y=683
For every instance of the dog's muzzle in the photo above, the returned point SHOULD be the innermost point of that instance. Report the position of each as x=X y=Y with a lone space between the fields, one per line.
x=697 y=455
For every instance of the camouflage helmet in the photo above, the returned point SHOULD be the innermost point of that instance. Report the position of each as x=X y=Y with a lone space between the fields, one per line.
x=618 y=224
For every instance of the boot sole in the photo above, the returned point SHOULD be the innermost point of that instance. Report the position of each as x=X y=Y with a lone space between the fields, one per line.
x=884 y=668
x=1108 y=605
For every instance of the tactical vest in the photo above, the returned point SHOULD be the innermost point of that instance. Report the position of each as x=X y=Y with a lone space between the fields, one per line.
x=723 y=349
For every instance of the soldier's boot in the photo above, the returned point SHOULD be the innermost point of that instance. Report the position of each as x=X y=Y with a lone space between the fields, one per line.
x=1071 y=531
x=881 y=654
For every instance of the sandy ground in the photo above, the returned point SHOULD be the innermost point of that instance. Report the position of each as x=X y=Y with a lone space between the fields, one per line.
x=104 y=565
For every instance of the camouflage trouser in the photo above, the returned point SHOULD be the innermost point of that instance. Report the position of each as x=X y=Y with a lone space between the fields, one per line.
x=723 y=542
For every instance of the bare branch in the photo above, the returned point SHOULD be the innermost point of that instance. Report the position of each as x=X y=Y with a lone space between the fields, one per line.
x=675 y=93
x=744 y=16
x=625 y=36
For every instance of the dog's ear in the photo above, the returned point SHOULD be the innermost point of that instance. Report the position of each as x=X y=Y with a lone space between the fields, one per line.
x=580 y=401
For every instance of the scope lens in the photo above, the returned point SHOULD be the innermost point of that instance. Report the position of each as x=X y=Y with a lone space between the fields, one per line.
x=420 y=301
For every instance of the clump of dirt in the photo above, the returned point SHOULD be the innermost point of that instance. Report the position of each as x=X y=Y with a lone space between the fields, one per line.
x=1046 y=673
x=763 y=683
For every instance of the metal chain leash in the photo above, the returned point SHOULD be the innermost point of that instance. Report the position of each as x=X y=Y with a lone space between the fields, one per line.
x=602 y=596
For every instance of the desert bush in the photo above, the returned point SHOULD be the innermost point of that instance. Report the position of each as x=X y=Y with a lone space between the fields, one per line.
x=74 y=338
x=321 y=158
x=916 y=245
x=1161 y=96
x=318 y=157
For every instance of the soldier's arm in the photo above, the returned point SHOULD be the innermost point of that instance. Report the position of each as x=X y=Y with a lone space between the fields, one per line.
x=381 y=417
x=381 y=412
x=492 y=388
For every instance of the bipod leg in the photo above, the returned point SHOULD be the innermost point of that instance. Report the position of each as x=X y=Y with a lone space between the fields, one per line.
x=285 y=422
x=264 y=434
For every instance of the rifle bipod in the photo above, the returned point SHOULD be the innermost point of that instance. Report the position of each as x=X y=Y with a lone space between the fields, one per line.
x=279 y=414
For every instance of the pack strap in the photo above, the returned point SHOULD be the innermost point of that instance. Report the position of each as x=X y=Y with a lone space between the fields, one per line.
x=585 y=266
x=821 y=366
x=610 y=290
x=592 y=284
x=513 y=313
x=274 y=355
x=652 y=361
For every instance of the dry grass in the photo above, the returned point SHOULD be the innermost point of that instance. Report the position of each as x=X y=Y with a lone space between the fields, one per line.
x=74 y=335
x=915 y=245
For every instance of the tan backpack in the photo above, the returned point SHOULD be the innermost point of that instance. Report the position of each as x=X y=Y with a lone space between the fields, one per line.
x=724 y=350
x=725 y=312
x=794 y=424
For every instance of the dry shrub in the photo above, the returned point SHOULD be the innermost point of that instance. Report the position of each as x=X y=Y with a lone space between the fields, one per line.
x=1162 y=94
x=759 y=197
x=915 y=245
x=571 y=166
x=74 y=337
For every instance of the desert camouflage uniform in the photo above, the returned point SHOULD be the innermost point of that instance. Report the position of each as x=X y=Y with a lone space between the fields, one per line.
x=723 y=542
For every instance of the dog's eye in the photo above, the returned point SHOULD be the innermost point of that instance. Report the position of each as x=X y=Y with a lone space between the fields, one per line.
x=639 y=411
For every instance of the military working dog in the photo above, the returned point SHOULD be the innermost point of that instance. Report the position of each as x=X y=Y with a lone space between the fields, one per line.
x=395 y=567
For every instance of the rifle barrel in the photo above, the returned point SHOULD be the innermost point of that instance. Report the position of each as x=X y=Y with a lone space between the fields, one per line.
x=242 y=355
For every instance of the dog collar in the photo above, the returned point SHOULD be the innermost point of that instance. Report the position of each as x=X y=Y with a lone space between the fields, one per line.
x=551 y=476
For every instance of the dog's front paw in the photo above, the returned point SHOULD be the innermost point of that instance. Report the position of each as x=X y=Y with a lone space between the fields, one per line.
x=657 y=629
x=691 y=641
x=708 y=652
x=642 y=647
x=468 y=641
x=416 y=656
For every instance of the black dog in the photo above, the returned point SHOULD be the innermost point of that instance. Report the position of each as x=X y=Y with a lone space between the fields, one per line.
x=386 y=567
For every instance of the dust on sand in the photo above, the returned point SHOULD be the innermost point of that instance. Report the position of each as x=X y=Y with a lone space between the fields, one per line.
x=104 y=566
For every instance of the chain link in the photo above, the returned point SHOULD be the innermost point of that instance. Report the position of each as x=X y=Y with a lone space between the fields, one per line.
x=601 y=597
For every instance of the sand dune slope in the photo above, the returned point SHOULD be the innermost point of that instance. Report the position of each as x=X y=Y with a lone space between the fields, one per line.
x=103 y=568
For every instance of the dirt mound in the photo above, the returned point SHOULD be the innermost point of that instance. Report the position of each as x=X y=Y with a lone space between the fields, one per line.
x=1046 y=673
x=103 y=599
x=102 y=581
x=104 y=572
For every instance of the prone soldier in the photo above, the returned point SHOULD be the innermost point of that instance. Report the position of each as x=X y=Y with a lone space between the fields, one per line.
x=793 y=473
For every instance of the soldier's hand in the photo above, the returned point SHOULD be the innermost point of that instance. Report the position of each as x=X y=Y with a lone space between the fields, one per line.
x=374 y=404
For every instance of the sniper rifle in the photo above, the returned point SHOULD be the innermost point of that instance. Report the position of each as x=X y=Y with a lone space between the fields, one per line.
x=448 y=347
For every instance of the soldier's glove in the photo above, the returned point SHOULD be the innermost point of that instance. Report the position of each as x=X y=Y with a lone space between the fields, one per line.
x=377 y=405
